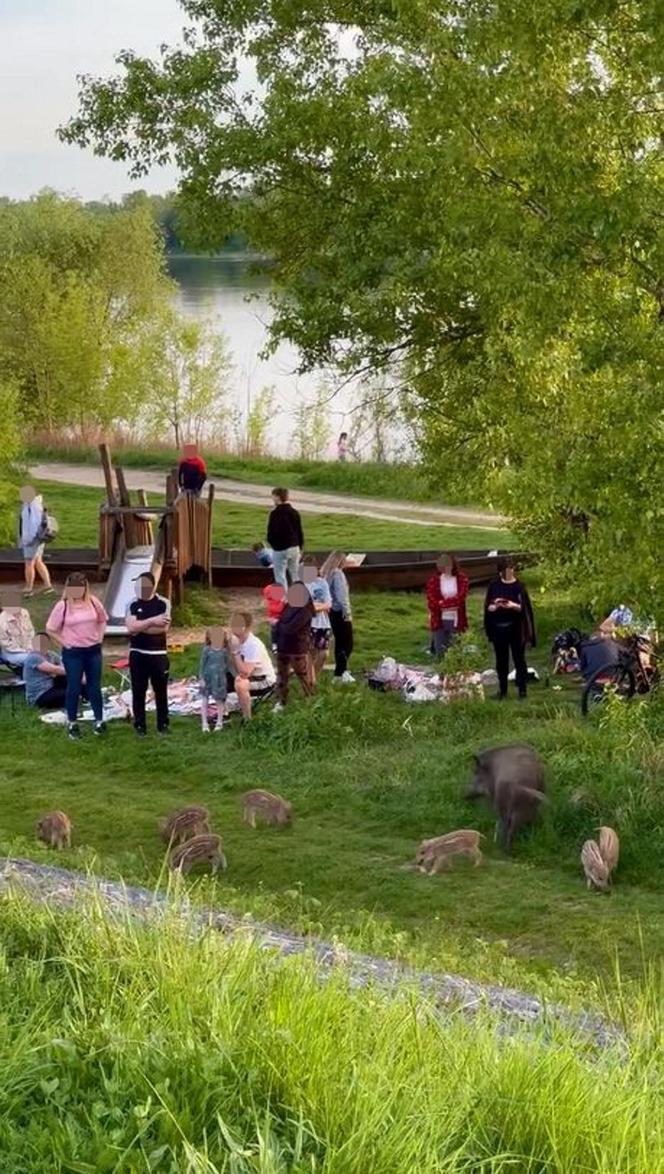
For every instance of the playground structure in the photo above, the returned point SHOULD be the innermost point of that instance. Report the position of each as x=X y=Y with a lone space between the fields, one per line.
x=171 y=541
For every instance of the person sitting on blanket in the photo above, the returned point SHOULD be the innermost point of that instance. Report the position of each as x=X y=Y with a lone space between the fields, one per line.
x=16 y=632
x=446 y=593
x=44 y=675
x=251 y=667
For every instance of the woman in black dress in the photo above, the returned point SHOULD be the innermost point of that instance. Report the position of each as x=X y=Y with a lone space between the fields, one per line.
x=509 y=625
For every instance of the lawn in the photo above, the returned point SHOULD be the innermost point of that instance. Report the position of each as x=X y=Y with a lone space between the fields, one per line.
x=77 y=511
x=128 y=1050
x=369 y=776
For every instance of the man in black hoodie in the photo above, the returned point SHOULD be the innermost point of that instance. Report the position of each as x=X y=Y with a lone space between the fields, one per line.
x=293 y=639
x=284 y=535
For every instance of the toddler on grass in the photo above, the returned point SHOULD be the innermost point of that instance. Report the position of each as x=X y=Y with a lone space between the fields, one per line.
x=213 y=675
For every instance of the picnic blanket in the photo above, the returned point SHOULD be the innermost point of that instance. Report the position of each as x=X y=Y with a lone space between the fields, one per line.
x=184 y=700
x=416 y=683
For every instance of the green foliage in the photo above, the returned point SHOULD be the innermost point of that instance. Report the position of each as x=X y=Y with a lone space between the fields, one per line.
x=129 y=1048
x=76 y=294
x=185 y=367
x=468 y=199
x=312 y=431
x=255 y=430
x=9 y=450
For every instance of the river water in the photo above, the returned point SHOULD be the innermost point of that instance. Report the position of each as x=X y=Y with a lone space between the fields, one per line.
x=223 y=290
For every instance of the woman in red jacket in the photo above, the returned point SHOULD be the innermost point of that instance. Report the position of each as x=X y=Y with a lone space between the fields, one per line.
x=446 y=600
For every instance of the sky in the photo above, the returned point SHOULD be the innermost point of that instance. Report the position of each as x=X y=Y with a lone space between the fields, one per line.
x=44 y=44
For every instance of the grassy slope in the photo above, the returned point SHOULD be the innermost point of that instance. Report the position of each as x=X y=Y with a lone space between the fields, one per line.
x=369 y=777
x=241 y=525
x=398 y=481
x=129 y=1051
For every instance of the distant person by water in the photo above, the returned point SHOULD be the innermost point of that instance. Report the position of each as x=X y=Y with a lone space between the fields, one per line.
x=192 y=471
x=285 y=536
x=342 y=447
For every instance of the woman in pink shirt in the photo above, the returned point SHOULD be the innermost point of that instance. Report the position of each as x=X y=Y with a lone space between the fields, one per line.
x=77 y=623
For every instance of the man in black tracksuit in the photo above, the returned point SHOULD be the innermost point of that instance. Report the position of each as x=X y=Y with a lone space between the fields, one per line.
x=148 y=619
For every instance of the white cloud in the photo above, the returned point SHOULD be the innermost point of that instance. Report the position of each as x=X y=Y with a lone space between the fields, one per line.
x=44 y=44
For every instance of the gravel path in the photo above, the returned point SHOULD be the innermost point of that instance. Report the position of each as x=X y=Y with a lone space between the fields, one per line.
x=62 y=888
x=312 y=502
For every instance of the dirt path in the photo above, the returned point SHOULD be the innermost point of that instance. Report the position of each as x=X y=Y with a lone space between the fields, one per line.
x=65 y=889
x=245 y=493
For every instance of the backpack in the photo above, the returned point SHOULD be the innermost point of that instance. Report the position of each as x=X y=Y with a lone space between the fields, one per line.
x=48 y=528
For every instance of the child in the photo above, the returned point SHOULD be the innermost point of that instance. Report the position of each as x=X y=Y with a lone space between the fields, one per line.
x=213 y=670
x=263 y=553
x=274 y=598
x=293 y=636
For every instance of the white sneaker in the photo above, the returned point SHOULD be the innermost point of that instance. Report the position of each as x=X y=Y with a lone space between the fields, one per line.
x=205 y=729
x=278 y=707
x=348 y=678
x=219 y=728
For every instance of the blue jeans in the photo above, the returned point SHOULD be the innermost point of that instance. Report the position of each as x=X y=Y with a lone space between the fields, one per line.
x=80 y=662
x=286 y=561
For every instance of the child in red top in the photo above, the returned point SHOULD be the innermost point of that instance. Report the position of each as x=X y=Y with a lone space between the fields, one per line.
x=274 y=598
x=192 y=471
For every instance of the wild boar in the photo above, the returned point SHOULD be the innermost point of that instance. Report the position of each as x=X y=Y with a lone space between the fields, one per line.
x=609 y=847
x=272 y=808
x=207 y=848
x=433 y=855
x=594 y=867
x=54 y=829
x=182 y=824
x=512 y=779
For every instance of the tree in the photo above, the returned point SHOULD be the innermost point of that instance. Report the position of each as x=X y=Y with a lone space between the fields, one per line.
x=76 y=293
x=312 y=430
x=186 y=365
x=9 y=452
x=465 y=195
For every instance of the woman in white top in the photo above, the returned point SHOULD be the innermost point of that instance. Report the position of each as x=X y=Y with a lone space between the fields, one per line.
x=252 y=670
x=446 y=593
x=16 y=633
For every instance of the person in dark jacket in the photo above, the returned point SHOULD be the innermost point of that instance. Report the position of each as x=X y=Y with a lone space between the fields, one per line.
x=446 y=593
x=293 y=639
x=509 y=625
x=284 y=535
x=192 y=471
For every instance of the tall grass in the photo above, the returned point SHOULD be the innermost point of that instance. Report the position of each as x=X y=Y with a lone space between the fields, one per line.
x=407 y=482
x=139 y=1049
